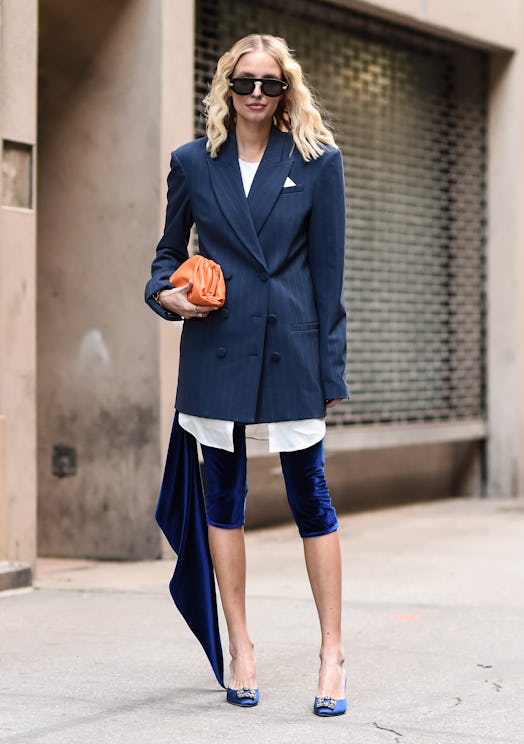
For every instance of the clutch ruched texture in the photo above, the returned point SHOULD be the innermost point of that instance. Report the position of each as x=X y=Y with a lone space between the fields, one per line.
x=209 y=287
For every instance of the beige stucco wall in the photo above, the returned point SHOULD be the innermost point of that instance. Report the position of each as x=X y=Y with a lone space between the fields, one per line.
x=98 y=347
x=18 y=24
x=489 y=23
x=506 y=277
x=176 y=127
x=3 y=495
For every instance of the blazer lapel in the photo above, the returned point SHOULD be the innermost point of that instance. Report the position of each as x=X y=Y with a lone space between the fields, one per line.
x=226 y=181
x=269 y=179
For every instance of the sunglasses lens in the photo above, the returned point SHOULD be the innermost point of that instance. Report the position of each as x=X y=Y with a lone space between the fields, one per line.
x=243 y=86
x=272 y=88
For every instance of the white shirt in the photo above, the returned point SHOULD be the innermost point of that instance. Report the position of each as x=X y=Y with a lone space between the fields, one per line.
x=283 y=436
x=247 y=171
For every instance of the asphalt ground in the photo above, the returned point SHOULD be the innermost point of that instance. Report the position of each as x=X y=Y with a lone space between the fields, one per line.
x=433 y=623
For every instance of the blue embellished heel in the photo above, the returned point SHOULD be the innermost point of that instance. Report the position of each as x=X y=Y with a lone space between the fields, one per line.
x=246 y=697
x=327 y=706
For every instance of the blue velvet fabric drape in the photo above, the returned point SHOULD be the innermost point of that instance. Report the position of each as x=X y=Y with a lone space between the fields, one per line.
x=180 y=514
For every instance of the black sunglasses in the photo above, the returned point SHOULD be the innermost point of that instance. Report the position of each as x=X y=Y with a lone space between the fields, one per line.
x=270 y=87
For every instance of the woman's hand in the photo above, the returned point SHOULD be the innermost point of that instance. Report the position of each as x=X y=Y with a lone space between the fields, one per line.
x=332 y=402
x=175 y=301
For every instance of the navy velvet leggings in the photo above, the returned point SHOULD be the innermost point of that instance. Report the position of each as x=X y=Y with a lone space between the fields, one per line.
x=306 y=487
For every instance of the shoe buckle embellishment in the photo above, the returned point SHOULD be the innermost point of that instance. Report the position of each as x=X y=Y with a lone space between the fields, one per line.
x=246 y=692
x=326 y=702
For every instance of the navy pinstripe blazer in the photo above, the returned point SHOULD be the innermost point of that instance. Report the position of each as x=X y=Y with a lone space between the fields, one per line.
x=276 y=350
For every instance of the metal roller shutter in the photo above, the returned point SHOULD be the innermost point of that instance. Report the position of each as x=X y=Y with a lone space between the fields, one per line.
x=409 y=113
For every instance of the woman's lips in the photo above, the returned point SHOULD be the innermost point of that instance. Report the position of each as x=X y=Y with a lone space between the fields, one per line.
x=256 y=106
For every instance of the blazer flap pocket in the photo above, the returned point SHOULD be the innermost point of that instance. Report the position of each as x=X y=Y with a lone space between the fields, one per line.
x=310 y=326
x=292 y=189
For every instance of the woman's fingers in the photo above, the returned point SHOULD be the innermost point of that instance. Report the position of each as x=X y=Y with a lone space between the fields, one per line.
x=176 y=300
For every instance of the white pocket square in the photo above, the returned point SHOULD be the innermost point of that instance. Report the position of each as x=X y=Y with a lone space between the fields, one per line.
x=288 y=182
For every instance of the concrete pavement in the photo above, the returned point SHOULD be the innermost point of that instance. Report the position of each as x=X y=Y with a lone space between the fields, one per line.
x=433 y=617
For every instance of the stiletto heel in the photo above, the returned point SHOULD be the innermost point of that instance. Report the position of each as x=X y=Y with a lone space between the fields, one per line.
x=246 y=697
x=326 y=705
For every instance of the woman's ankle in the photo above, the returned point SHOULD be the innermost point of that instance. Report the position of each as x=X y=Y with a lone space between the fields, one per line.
x=332 y=654
x=241 y=648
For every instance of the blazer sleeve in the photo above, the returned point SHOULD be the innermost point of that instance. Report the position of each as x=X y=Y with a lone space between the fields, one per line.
x=326 y=243
x=172 y=250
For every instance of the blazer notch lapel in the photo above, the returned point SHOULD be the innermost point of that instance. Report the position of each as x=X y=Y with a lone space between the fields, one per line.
x=265 y=190
x=229 y=193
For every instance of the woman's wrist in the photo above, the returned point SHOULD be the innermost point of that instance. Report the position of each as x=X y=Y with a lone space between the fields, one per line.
x=158 y=298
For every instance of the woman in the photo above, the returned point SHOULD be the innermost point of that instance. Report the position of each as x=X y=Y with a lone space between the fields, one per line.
x=265 y=191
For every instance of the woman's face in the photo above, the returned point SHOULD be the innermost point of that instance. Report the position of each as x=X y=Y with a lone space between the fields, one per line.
x=256 y=108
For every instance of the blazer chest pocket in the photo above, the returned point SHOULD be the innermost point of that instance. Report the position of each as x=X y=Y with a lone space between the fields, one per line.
x=291 y=190
x=311 y=326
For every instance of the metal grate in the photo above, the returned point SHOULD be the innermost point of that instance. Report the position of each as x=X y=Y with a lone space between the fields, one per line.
x=409 y=113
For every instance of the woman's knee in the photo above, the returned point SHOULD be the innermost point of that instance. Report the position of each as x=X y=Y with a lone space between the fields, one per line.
x=226 y=508
x=307 y=491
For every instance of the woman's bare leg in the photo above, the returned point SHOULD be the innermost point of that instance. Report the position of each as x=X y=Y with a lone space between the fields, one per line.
x=323 y=564
x=228 y=552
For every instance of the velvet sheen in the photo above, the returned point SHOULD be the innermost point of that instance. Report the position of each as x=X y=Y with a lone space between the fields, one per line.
x=307 y=491
x=306 y=487
x=226 y=483
x=180 y=514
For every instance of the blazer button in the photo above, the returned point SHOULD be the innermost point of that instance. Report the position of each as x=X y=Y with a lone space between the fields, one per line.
x=272 y=319
x=225 y=313
x=221 y=352
x=275 y=356
x=263 y=277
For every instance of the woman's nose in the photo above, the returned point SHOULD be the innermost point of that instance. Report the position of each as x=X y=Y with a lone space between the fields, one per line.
x=258 y=89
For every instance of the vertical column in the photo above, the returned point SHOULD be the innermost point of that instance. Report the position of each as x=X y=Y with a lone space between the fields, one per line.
x=98 y=431
x=505 y=354
x=176 y=127
x=18 y=81
x=3 y=495
x=519 y=199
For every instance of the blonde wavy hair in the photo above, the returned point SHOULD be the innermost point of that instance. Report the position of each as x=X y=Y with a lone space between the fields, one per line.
x=298 y=111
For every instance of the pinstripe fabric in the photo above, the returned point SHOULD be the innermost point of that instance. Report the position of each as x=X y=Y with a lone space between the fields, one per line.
x=276 y=350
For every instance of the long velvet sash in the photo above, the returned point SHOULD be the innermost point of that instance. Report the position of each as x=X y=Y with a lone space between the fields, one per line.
x=180 y=514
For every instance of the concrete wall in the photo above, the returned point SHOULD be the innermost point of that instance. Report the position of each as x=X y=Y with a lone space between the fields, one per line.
x=176 y=127
x=116 y=95
x=18 y=45
x=361 y=479
x=98 y=347
x=3 y=496
x=498 y=27
x=489 y=23
x=506 y=275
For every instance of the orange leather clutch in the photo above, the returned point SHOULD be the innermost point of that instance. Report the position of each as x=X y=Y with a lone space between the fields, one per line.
x=209 y=287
